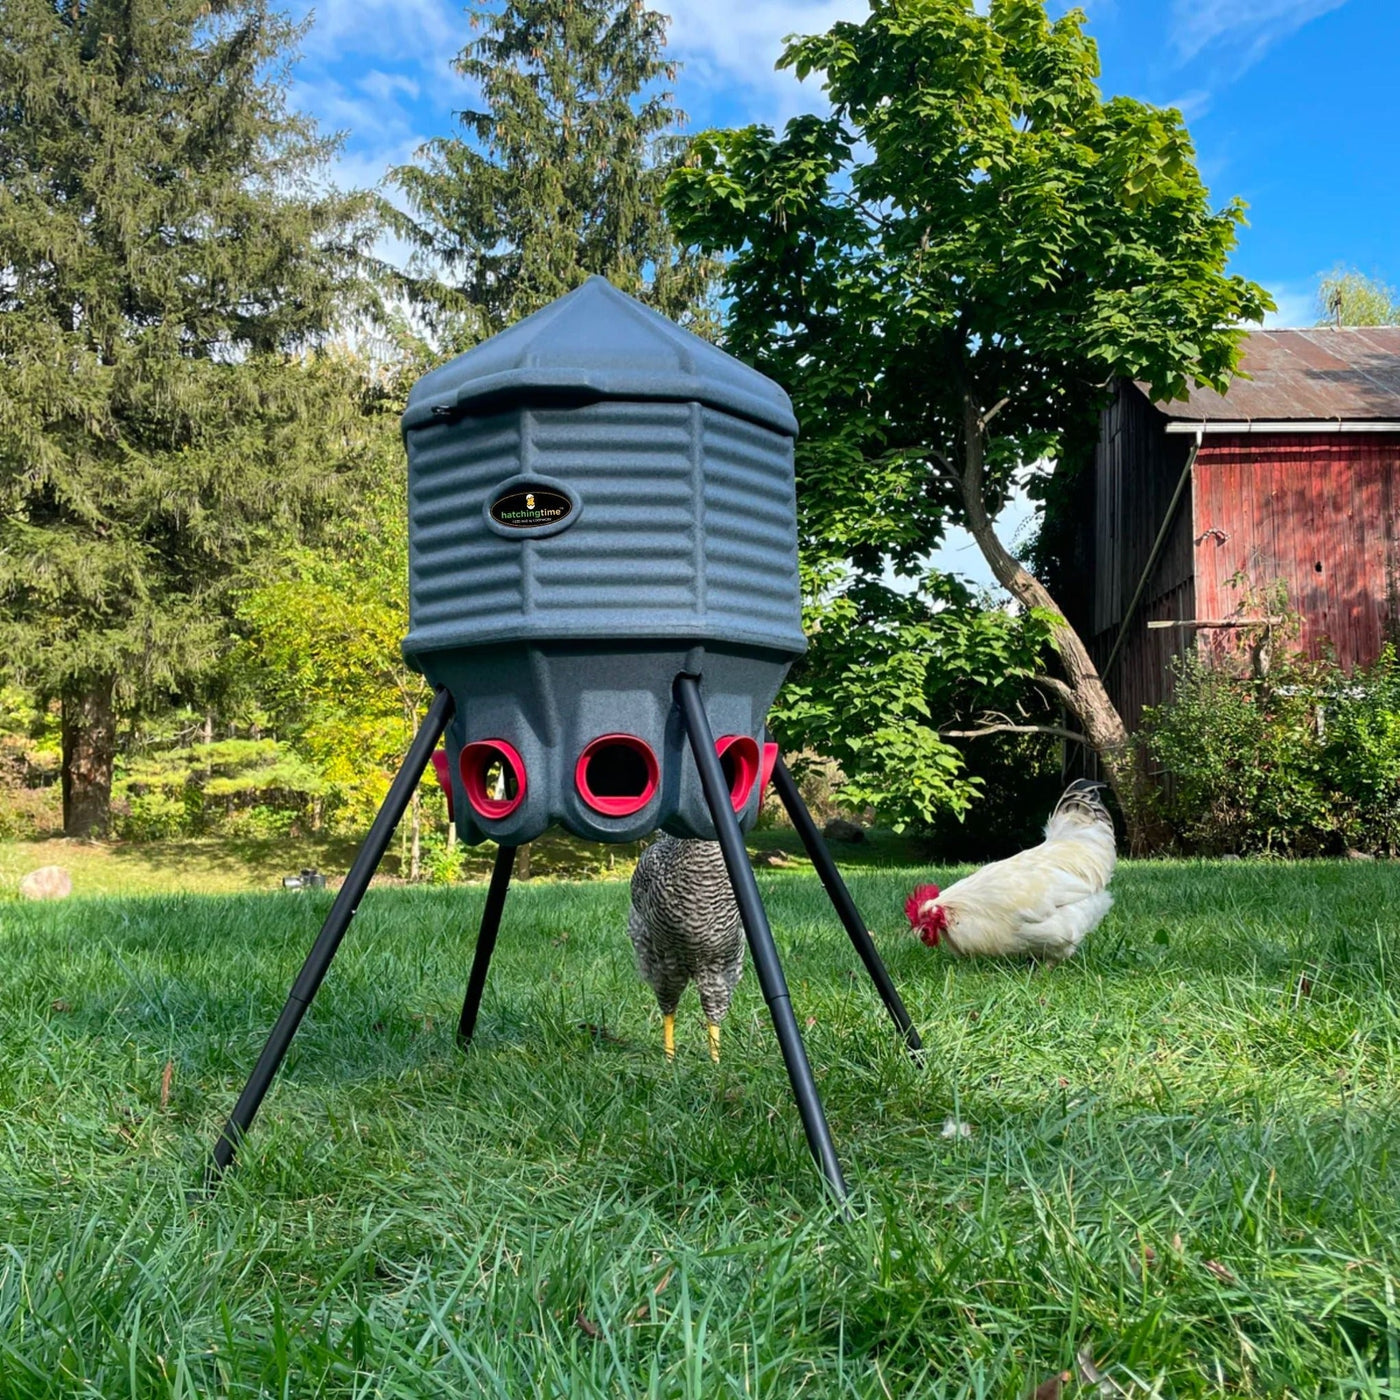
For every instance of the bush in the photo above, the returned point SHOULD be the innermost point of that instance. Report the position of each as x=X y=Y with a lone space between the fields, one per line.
x=261 y=823
x=1303 y=762
x=31 y=798
x=1019 y=783
x=27 y=812
x=439 y=863
x=150 y=816
x=234 y=787
x=1362 y=733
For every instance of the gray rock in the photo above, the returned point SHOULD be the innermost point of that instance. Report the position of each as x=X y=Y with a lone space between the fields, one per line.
x=47 y=882
x=1359 y=855
x=839 y=829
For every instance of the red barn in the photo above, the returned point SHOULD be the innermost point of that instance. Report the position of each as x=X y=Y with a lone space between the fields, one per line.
x=1195 y=509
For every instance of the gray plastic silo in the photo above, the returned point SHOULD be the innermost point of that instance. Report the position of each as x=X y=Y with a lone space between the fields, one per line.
x=598 y=502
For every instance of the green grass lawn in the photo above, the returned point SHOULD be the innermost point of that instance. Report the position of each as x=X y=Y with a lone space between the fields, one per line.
x=1182 y=1154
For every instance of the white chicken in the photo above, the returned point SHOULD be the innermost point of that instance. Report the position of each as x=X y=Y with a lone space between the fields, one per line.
x=1039 y=903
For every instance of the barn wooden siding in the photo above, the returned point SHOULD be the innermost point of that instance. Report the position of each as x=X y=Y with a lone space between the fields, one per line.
x=1136 y=470
x=1316 y=511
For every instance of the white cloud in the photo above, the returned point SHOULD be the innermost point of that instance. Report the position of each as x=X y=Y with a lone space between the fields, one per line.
x=381 y=70
x=737 y=42
x=723 y=45
x=363 y=168
x=369 y=69
x=389 y=28
x=405 y=47
x=1191 y=105
x=383 y=86
x=1243 y=28
x=1297 y=306
x=362 y=118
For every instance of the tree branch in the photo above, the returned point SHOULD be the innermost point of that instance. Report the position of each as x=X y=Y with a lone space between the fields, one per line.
x=943 y=466
x=945 y=469
x=993 y=411
x=1052 y=729
x=1057 y=688
x=876 y=218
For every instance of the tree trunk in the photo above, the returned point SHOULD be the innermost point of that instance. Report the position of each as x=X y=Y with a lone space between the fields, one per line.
x=522 y=862
x=415 y=857
x=1082 y=692
x=89 y=739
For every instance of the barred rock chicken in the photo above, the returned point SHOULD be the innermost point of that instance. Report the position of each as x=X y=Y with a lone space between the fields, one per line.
x=1039 y=903
x=684 y=925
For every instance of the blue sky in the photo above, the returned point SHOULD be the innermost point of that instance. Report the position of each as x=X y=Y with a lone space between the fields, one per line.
x=1294 y=105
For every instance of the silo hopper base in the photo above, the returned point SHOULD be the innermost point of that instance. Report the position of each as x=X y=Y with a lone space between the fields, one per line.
x=762 y=948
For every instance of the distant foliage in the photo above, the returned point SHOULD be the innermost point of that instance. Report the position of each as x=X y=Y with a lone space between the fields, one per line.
x=30 y=798
x=1347 y=297
x=321 y=652
x=886 y=670
x=1019 y=778
x=238 y=787
x=945 y=271
x=442 y=863
x=170 y=269
x=1303 y=762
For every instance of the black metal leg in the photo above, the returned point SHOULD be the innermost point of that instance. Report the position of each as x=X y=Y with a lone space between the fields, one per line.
x=328 y=940
x=841 y=899
x=760 y=937
x=485 y=942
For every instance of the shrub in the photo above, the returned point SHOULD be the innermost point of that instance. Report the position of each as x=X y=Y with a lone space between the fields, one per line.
x=1303 y=762
x=261 y=822
x=1019 y=782
x=440 y=863
x=27 y=812
x=31 y=800
x=238 y=787
x=150 y=816
x=1362 y=735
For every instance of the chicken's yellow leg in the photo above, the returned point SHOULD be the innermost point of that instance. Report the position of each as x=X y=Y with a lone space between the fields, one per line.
x=714 y=1042
x=668 y=1035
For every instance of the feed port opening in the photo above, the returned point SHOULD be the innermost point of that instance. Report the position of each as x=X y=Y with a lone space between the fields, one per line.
x=493 y=774
x=617 y=775
x=738 y=760
x=500 y=781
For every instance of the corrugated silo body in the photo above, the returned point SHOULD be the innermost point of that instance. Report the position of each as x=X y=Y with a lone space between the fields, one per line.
x=598 y=502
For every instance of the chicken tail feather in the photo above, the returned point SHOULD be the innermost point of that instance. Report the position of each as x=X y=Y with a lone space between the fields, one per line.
x=1082 y=798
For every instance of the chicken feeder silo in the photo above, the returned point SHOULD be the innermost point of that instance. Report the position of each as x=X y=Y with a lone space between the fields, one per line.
x=599 y=501
x=603 y=590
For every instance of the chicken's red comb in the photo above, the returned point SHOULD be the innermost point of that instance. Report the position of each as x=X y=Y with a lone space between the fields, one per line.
x=917 y=900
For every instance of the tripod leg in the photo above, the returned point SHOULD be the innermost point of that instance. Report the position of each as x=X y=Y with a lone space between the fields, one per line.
x=485 y=942
x=328 y=940
x=761 y=946
x=841 y=899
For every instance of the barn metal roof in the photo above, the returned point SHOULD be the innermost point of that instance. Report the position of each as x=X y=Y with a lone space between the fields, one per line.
x=1346 y=379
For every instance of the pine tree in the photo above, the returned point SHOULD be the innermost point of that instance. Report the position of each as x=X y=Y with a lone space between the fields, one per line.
x=558 y=177
x=167 y=270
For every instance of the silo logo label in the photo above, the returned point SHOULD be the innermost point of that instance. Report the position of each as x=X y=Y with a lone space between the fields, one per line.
x=524 y=510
